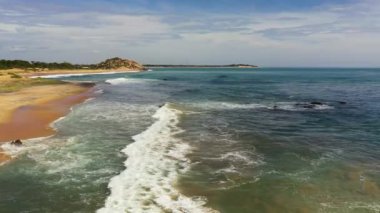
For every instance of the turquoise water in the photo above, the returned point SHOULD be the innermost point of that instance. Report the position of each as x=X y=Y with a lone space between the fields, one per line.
x=208 y=140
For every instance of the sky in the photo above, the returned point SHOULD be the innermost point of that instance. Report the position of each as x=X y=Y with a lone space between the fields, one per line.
x=271 y=33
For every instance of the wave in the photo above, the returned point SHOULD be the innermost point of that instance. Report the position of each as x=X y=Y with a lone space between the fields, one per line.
x=120 y=81
x=79 y=74
x=28 y=145
x=300 y=106
x=285 y=106
x=155 y=160
x=228 y=105
x=243 y=158
x=117 y=81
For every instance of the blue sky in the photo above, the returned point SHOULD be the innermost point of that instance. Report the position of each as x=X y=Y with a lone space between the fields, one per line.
x=263 y=32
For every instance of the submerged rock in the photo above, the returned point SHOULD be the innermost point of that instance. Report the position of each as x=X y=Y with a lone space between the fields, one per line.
x=305 y=105
x=16 y=142
x=316 y=103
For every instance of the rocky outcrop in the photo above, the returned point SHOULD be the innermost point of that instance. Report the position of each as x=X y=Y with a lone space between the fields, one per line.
x=16 y=142
x=120 y=64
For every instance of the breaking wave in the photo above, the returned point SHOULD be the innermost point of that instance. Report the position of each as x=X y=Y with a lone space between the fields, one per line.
x=120 y=81
x=155 y=160
x=286 y=106
x=80 y=74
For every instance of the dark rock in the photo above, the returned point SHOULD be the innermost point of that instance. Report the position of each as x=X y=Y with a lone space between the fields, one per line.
x=120 y=64
x=16 y=142
x=316 y=103
x=306 y=106
x=161 y=105
x=342 y=102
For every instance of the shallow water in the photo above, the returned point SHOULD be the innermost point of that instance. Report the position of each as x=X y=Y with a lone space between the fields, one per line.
x=208 y=140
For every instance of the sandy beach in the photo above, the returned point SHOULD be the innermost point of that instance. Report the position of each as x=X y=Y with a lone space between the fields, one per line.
x=79 y=72
x=28 y=113
x=29 y=104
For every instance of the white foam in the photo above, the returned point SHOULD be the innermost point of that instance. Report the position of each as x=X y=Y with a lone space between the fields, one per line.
x=28 y=145
x=287 y=106
x=81 y=74
x=229 y=105
x=155 y=160
x=355 y=206
x=119 y=81
x=292 y=106
x=243 y=157
x=99 y=91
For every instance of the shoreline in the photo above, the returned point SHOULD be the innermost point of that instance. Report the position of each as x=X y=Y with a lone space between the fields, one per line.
x=29 y=113
x=69 y=74
x=77 y=72
x=30 y=105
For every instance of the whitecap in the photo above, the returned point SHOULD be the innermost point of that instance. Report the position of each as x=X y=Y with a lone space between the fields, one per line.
x=120 y=81
x=286 y=106
x=243 y=157
x=155 y=160
x=80 y=74
x=228 y=105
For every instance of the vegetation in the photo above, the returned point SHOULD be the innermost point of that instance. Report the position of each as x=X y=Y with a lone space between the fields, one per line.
x=37 y=65
x=14 y=85
x=119 y=63
x=34 y=66
x=13 y=73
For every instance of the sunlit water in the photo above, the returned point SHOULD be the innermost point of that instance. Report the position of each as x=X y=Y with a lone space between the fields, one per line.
x=208 y=140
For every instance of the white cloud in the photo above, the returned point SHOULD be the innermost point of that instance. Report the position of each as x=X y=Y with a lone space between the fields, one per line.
x=332 y=35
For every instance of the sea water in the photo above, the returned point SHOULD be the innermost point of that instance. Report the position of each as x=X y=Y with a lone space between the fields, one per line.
x=208 y=140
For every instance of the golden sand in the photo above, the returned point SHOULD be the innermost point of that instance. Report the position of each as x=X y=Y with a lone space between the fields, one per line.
x=29 y=112
x=33 y=96
x=28 y=106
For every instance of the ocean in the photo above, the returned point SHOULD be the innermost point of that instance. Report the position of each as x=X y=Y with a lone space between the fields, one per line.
x=208 y=140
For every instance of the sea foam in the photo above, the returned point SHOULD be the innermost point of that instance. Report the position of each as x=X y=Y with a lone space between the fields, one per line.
x=285 y=106
x=117 y=81
x=155 y=160
x=120 y=81
x=81 y=74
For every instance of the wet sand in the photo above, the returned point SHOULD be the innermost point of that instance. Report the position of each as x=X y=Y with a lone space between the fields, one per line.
x=28 y=113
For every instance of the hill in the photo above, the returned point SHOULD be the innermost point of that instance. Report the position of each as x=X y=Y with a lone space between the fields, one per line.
x=119 y=64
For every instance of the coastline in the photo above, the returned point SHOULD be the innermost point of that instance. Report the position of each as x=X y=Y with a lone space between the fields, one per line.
x=78 y=72
x=29 y=112
x=30 y=101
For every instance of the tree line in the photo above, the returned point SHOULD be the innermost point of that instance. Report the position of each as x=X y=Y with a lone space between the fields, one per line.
x=21 y=64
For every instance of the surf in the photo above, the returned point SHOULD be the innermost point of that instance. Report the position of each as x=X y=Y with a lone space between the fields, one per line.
x=154 y=162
